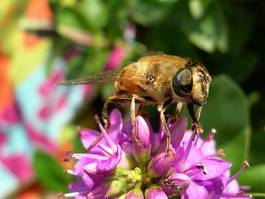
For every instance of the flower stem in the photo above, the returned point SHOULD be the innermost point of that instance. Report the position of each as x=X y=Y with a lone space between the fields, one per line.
x=260 y=195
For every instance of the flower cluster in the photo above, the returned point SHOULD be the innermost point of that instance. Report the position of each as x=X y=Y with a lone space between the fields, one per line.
x=116 y=167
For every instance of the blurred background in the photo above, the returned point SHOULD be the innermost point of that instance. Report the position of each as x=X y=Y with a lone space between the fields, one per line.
x=45 y=41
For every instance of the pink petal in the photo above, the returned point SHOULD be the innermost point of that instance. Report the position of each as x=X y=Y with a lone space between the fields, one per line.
x=194 y=157
x=232 y=187
x=134 y=194
x=213 y=167
x=176 y=183
x=115 y=130
x=195 y=191
x=78 y=186
x=155 y=193
x=111 y=163
x=88 y=180
x=88 y=137
x=177 y=131
x=80 y=165
x=156 y=141
x=115 y=117
x=209 y=147
x=161 y=163
x=142 y=131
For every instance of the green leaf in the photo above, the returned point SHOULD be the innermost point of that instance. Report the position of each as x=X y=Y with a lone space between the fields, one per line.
x=241 y=29
x=73 y=25
x=227 y=112
x=70 y=17
x=95 y=13
x=90 y=62
x=209 y=31
x=245 y=62
x=198 y=7
x=96 y=59
x=257 y=149
x=149 y=11
x=49 y=172
x=116 y=12
x=254 y=177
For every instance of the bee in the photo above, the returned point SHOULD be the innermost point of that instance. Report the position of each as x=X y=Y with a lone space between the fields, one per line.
x=156 y=80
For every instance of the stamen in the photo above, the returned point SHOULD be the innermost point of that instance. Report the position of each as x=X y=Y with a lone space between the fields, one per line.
x=60 y=196
x=220 y=153
x=260 y=195
x=245 y=188
x=68 y=156
x=73 y=194
x=78 y=129
x=238 y=173
x=209 y=137
x=239 y=195
x=78 y=156
x=71 y=172
x=211 y=134
x=112 y=145
x=106 y=150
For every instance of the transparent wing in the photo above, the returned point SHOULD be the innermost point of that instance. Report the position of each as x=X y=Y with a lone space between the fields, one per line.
x=105 y=77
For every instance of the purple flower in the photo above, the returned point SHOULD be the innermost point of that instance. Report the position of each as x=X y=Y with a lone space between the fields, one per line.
x=155 y=193
x=161 y=163
x=114 y=166
x=175 y=184
x=135 y=193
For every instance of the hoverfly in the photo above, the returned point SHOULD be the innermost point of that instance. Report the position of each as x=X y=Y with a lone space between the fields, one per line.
x=159 y=80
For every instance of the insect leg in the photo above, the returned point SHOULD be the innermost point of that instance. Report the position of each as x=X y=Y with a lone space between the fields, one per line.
x=133 y=109
x=161 y=109
x=179 y=108
x=195 y=118
x=106 y=105
x=198 y=113
x=105 y=116
x=133 y=120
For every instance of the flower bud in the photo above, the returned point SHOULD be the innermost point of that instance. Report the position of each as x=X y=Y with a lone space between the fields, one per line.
x=175 y=184
x=161 y=163
x=155 y=193
x=117 y=187
x=136 y=193
x=142 y=149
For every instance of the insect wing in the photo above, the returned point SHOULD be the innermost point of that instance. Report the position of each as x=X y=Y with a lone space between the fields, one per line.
x=105 y=77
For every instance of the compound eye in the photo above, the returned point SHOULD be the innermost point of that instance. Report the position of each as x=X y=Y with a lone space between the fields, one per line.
x=182 y=82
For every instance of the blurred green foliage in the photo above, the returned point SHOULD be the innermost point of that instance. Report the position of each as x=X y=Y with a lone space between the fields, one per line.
x=227 y=36
x=50 y=173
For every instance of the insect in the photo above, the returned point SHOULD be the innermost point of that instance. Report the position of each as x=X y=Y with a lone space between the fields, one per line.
x=156 y=80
